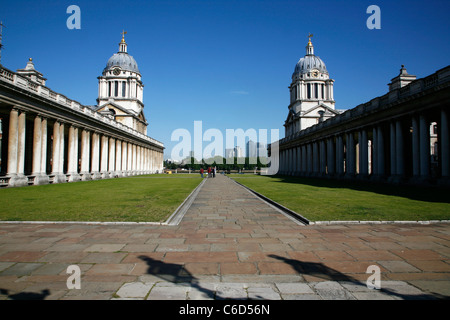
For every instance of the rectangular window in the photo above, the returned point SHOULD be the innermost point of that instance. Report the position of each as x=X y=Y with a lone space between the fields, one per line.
x=109 y=89
x=316 y=91
x=309 y=91
x=116 y=88
x=323 y=91
x=124 y=88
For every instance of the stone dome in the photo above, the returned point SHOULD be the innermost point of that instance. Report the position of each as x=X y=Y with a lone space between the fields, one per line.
x=309 y=62
x=122 y=60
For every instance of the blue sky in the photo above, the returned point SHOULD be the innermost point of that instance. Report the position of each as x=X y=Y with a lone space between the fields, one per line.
x=226 y=63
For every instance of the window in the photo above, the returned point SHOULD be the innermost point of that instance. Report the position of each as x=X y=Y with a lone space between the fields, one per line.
x=109 y=89
x=309 y=91
x=116 y=88
x=124 y=88
x=316 y=91
x=323 y=91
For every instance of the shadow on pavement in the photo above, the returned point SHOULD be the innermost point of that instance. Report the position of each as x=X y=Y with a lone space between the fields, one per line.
x=320 y=270
x=26 y=295
x=174 y=273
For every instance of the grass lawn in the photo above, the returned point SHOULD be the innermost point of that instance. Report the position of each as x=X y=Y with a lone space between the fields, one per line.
x=150 y=198
x=325 y=200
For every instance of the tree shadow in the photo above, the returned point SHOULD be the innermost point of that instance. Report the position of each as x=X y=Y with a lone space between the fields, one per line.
x=423 y=193
x=26 y=295
x=320 y=270
x=175 y=273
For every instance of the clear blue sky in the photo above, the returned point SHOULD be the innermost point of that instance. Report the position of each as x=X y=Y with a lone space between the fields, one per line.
x=227 y=63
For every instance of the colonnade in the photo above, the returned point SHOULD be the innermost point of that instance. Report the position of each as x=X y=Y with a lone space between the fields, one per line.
x=41 y=150
x=410 y=148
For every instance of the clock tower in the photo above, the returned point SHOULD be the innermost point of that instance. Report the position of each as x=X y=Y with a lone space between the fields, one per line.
x=311 y=93
x=120 y=90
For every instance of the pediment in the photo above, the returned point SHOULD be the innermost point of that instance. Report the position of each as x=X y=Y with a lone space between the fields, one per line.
x=314 y=111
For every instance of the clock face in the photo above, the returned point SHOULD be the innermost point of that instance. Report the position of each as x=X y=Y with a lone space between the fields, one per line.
x=315 y=73
x=116 y=71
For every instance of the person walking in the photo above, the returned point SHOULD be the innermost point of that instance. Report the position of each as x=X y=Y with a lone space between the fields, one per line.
x=209 y=172
x=214 y=172
x=201 y=172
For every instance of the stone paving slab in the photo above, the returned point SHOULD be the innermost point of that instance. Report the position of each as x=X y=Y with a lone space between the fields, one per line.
x=229 y=245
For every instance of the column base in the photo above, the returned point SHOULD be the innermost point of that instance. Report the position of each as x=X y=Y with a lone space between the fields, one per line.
x=85 y=176
x=96 y=176
x=73 y=177
x=40 y=179
x=18 y=181
x=57 y=178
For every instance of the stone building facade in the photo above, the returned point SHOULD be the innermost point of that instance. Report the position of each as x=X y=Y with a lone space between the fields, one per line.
x=49 y=138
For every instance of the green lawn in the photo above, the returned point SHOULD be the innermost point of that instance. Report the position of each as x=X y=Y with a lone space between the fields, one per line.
x=325 y=200
x=150 y=198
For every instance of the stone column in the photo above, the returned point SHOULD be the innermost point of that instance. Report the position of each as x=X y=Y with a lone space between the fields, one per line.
x=13 y=141
x=374 y=151
x=444 y=137
x=95 y=156
x=399 y=154
x=380 y=152
x=61 y=152
x=363 y=154
x=323 y=157
x=85 y=155
x=40 y=177
x=104 y=157
x=72 y=158
x=315 y=150
x=351 y=156
x=331 y=162
x=339 y=155
x=424 y=131
x=21 y=144
x=118 y=168
x=130 y=159
x=37 y=146
x=309 y=158
x=16 y=141
x=112 y=158
x=415 y=147
x=44 y=149
x=124 y=159
x=134 y=164
x=55 y=152
x=393 y=155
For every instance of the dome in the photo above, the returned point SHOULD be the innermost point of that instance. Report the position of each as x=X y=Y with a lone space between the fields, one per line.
x=122 y=60
x=309 y=62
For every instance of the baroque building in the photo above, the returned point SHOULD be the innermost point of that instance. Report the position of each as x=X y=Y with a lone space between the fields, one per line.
x=311 y=93
x=402 y=136
x=121 y=91
x=49 y=138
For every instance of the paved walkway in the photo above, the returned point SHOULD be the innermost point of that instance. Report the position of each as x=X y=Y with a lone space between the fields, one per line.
x=229 y=244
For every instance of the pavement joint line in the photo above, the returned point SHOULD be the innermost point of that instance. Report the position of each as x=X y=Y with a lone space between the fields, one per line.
x=294 y=216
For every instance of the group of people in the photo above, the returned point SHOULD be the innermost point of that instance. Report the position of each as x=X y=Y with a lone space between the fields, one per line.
x=211 y=172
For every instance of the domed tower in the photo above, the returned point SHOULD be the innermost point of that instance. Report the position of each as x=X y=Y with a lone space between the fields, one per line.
x=120 y=90
x=311 y=89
